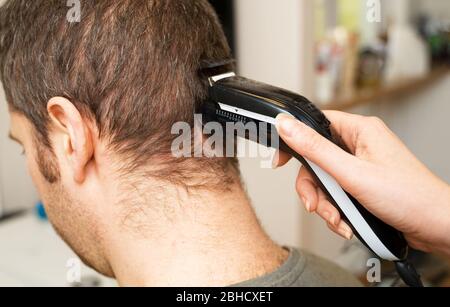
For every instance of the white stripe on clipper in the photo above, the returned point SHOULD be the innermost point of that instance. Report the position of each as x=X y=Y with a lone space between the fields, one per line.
x=222 y=76
x=352 y=213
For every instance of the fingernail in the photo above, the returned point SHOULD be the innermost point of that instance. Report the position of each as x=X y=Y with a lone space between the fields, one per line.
x=346 y=231
x=348 y=235
x=275 y=160
x=307 y=205
x=333 y=220
x=286 y=124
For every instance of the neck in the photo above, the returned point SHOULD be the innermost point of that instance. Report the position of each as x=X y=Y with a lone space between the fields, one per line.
x=200 y=238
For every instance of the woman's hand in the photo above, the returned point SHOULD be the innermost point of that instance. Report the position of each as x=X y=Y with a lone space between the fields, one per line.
x=381 y=173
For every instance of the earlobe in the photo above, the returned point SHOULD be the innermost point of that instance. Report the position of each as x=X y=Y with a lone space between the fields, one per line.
x=71 y=133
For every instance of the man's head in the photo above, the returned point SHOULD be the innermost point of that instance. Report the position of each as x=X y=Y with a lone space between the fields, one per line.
x=96 y=99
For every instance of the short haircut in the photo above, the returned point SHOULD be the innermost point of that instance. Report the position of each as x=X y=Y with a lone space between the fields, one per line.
x=130 y=66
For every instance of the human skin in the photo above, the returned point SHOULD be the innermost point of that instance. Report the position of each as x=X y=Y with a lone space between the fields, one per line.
x=380 y=172
x=142 y=232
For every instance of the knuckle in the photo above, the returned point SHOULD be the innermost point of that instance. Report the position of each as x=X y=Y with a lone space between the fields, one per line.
x=303 y=174
x=302 y=184
x=313 y=143
x=332 y=228
x=297 y=131
x=371 y=126
x=376 y=122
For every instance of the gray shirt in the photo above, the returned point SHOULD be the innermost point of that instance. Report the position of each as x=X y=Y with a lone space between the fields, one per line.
x=302 y=269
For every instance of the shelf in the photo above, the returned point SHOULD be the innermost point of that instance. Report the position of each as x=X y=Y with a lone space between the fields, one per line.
x=405 y=87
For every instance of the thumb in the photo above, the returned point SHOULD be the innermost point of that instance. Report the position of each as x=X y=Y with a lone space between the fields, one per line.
x=316 y=148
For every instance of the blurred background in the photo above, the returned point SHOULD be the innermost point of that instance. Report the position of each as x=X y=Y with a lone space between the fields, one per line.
x=384 y=58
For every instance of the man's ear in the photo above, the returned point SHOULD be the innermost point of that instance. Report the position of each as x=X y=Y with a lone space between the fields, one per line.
x=72 y=135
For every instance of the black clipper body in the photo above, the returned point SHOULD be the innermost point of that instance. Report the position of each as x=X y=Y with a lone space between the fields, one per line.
x=237 y=99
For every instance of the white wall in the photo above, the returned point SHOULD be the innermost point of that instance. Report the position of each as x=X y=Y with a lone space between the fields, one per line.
x=421 y=121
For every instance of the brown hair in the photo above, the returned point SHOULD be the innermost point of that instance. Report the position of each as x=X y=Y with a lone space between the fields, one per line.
x=131 y=66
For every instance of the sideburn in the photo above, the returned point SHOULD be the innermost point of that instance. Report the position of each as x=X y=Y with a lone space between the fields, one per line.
x=46 y=161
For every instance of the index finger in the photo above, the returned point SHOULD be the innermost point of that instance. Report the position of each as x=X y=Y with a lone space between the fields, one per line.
x=346 y=125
